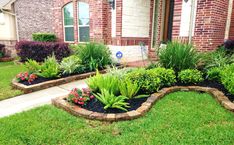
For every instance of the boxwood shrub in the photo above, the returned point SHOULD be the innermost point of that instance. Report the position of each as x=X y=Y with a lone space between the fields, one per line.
x=227 y=78
x=44 y=37
x=39 y=51
x=190 y=76
x=152 y=80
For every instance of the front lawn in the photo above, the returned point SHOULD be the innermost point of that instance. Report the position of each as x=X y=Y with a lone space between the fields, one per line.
x=8 y=70
x=179 y=118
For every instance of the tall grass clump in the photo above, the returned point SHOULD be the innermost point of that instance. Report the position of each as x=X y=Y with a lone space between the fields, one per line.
x=179 y=56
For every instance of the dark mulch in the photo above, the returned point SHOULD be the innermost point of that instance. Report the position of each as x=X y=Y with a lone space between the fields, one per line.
x=97 y=106
x=36 y=81
x=211 y=84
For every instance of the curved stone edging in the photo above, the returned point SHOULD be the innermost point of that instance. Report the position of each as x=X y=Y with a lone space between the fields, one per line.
x=32 y=88
x=145 y=107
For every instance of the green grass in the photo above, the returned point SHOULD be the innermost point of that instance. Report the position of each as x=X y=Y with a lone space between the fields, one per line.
x=8 y=70
x=180 y=118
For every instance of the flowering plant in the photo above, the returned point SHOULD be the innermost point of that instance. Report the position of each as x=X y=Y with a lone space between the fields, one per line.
x=80 y=96
x=26 y=77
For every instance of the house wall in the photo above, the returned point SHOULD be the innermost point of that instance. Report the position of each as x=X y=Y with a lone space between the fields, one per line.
x=7 y=29
x=210 y=23
x=33 y=16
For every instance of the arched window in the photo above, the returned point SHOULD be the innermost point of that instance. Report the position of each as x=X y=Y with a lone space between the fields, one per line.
x=68 y=22
x=83 y=22
x=83 y=25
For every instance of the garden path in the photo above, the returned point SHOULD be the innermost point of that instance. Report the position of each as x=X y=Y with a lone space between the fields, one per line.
x=28 y=101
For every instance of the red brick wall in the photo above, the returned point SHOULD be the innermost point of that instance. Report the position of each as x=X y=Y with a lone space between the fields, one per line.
x=210 y=24
x=176 y=19
x=99 y=24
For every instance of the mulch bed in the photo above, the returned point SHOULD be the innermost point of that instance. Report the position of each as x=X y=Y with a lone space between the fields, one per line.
x=96 y=106
x=211 y=84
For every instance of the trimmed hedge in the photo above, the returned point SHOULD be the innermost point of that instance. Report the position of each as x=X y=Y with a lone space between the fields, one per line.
x=39 y=51
x=44 y=37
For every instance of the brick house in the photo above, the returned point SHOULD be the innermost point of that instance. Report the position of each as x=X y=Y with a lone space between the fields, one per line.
x=123 y=24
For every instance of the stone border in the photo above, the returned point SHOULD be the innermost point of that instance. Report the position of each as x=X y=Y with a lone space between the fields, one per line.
x=6 y=59
x=144 y=108
x=32 y=88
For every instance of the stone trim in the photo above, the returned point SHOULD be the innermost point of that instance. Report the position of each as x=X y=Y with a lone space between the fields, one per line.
x=145 y=107
x=32 y=88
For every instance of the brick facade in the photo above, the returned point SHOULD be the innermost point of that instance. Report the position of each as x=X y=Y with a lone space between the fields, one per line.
x=33 y=16
x=47 y=16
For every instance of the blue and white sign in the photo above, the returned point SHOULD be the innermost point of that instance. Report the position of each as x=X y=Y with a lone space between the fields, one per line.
x=119 y=55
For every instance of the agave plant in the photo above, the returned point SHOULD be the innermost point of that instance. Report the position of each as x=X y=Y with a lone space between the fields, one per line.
x=112 y=101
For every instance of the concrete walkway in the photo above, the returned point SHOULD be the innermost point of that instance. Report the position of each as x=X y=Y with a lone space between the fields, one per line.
x=36 y=99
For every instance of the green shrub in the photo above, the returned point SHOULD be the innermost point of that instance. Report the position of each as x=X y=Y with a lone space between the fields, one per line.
x=44 y=37
x=50 y=68
x=227 y=78
x=178 y=56
x=112 y=101
x=167 y=76
x=32 y=66
x=147 y=81
x=128 y=89
x=95 y=55
x=153 y=65
x=190 y=76
x=120 y=73
x=70 y=65
x=214 y=73
x=216 y=59
x=107 y=82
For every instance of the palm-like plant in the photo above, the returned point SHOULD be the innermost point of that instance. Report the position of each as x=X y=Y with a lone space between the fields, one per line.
x=111 y=101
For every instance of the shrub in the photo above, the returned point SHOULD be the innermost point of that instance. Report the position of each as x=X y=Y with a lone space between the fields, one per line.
x=190 y=76
x=227 y=78
x=167 y=76
x=32 y=66
x=178 y=56
x=107 y=82
x=120 y=73
x=229 y=46
x=95 y=55
x=39 y=51
x=80 y=97
x=44 y=37
x=147 y=81
x=214 y=73
x=2 y=53
x=216 y=59
x=50 y=68
x=70 y=65
x=128 y=89
x=112 y=101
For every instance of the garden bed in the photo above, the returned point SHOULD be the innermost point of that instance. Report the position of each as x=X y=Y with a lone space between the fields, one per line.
x=6 y=59
x=62 y=102
x=46 y=83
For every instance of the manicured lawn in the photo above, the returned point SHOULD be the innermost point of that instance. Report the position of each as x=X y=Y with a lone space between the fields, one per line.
x=8 y=70
x=180 y=118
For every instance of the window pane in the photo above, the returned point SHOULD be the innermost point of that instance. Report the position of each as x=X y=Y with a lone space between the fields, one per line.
x=69 y=34
x=84 y=34
x=83 y=13
x=68 y=14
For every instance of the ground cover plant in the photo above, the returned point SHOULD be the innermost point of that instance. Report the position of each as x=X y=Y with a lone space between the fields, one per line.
x=44 y=37
x=7 y=71
x=179 y=118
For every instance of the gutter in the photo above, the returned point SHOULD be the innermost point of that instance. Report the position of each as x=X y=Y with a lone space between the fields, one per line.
x=191 y=25
x=16 y=21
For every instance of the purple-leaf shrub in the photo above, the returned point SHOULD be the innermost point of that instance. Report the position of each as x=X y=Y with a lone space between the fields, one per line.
x=39 y=51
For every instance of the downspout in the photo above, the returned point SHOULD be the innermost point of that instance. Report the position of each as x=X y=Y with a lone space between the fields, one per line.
x=229 y=17
x=16 y=26
x=192 y=16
